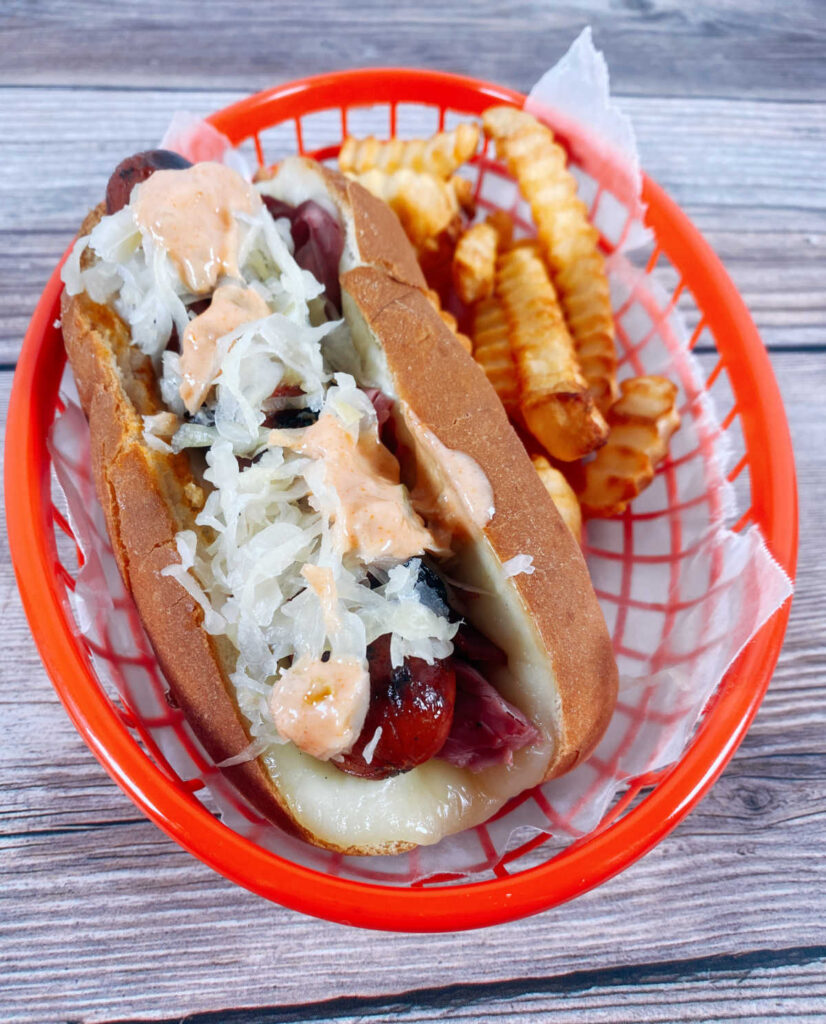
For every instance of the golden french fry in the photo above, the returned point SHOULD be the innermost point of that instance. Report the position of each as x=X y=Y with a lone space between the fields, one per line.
x=503 y=121
x=449 y=319
x=642 y=422
x=425 y=205
x=502 y=222
x=463 y=190
x=554 y=398
x=621 y=475
x=440 y=155
x=648 y=400
x=474 y=263
x=562 y=493
x=492 y=350
x=569 y=241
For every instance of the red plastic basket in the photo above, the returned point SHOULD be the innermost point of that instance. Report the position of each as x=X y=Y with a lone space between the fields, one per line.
x=652 y=805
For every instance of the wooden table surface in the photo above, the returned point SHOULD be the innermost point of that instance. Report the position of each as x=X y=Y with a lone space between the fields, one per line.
x=103 y=918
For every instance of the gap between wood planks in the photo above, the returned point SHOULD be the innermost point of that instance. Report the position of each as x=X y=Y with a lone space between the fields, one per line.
x=457 y=996
x=625 y=94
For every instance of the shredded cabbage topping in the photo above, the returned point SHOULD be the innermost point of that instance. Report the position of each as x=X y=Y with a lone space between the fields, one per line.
x=262 y=521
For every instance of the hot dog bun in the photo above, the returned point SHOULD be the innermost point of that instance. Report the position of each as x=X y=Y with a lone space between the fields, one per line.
x=561 y=670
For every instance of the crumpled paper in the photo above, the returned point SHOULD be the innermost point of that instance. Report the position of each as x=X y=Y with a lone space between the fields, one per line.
x=681 y=592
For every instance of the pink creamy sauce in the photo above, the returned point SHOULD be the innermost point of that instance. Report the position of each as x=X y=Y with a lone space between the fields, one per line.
x=191 y=214
x=373 y=517
x=231 y=307
x=465 y=495
x=321 y=705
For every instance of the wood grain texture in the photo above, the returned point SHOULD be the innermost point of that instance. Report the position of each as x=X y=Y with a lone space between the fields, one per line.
x=749 y=174
x=654 y=47
x=91 y=892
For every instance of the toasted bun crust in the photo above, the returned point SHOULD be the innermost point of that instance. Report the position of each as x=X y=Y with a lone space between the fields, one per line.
x=148 y=496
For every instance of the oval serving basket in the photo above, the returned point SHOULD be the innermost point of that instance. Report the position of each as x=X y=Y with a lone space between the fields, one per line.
x=132 y=739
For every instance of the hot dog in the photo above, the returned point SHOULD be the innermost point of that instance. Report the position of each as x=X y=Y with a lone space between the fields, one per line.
x=321 y=510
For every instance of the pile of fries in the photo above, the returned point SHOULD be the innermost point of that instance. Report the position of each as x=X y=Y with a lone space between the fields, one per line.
x=538 y=310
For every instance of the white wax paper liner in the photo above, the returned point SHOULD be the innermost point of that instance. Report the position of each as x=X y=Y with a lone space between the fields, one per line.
x=682 y=594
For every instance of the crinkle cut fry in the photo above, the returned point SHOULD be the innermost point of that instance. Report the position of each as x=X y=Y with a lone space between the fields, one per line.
x=642 y=422
x=464 y=193
x=570 y=242
x=492 y=350
x=441 y=154
x=474 y=262
x=554 y=398
x=562 y=493
x=503 y=224
x=473 y=267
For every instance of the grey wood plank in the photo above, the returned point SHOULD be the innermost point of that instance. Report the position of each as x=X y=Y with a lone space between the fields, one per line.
x=729 y=48
x=102 y=917
x=749 y=174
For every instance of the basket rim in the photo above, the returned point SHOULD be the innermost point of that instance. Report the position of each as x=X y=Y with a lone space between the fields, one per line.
x=579 y=867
